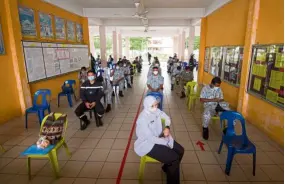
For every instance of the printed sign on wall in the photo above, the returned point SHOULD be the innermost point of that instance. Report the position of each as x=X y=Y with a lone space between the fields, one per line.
x=60 y=28
x=45 y=25
x=27 y=20
x=70 y=31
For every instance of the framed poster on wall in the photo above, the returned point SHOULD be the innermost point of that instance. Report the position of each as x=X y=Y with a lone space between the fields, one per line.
x=2 y=46
x=216 y=61
x=79 y=33
x=60 y=29
x=232 y=64
x=207 y=59
x=267 y=73
x=46 y=30
x=70 y=31
x=27 y=20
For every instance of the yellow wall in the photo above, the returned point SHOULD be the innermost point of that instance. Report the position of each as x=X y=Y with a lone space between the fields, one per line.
x=16 y=92
x=54 y=84
x=8 y=94
x=270 y=30
x=271 y=22
x=227 y=26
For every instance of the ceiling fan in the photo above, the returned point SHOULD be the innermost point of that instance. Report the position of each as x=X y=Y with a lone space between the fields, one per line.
x=138 y=14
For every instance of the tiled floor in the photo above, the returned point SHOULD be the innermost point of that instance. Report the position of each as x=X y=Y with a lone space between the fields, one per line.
x=97 y=152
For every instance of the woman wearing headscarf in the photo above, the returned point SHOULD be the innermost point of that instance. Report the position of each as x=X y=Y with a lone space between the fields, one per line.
x=155 y=141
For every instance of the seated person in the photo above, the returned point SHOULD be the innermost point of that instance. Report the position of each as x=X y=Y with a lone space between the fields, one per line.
x=91 y=92
x=108 y=89
x=118 y=78
x=175 y=76
x=155 y=81
x=155 y=141
x=186 y=76
x=127 y=73
x=212 y=96
x=82 y=76
x=151 y=69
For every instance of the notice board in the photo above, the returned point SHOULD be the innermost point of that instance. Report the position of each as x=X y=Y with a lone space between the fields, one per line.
x=45 y=60
x=267 y=73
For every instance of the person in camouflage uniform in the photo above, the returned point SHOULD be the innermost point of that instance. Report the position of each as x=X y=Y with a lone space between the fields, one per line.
x=186 y=76
x=108 y=89
x=118 y=78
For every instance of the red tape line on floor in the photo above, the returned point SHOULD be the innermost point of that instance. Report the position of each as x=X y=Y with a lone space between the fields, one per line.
x=129 y=143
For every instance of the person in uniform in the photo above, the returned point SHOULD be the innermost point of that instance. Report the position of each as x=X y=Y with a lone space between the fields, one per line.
x=155 y=140
x=175 y=76
x=127 y=73
x=118 y=78
x=186 y=76
x=108 y=89
x=212 y=97
x=155 y=81
x=91 y=92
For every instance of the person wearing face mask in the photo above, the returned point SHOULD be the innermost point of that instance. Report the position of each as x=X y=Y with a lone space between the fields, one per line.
x=118 y=78
x=212 y=97
x=155 y=140
x=155 y=81
x=127 y=73
x=175 y=76
x=108 y=89
x=91 y=92
x=186 y=76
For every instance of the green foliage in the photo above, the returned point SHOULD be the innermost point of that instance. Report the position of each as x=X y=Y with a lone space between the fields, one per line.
x=109 y=42
x=138 y=43
x=196 y=42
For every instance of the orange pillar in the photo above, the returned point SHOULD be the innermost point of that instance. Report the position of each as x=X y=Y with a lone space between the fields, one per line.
x=15 y=37
x=202 y=49
x=250 y=37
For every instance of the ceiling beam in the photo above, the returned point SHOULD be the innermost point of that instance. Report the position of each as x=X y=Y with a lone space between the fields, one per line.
x=154 y=13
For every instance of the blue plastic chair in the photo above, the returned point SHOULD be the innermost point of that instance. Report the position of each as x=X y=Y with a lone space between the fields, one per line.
x=39 y=108
x=235 y=143
x=158 y=96
x=185 y=64
x=68 y=91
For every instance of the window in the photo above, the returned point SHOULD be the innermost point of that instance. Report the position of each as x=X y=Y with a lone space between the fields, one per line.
x=267 y=73
x=224 y=62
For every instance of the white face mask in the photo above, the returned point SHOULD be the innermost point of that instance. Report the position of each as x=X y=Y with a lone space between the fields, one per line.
x=91 y=78
x=155 y=72
x=153 y=109
x=216 y=88
x=125 y=65
x=117 y=67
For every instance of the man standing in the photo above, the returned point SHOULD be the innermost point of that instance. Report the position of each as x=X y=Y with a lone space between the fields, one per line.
x=149 y=58
x=91 y=92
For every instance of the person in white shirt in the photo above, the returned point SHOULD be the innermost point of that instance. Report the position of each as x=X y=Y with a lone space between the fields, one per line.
x=156 y=141
x=212 y=96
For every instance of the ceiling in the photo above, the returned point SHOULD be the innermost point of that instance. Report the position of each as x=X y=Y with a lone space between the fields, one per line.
x=163 y=17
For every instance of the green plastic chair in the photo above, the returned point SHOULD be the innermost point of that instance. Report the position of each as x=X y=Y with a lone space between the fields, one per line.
x=191 y=94
x=146 y=159
x=52 y=154
x=215 y=119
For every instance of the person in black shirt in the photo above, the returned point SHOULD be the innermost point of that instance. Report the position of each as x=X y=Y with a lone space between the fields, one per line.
x=91 y=92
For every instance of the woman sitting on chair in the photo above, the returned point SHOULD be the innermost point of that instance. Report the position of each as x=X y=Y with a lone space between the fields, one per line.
x=155 y=141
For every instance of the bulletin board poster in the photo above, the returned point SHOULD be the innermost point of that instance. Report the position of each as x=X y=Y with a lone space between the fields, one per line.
x=79 y=33
x=70 y=31
x=2 y=46
x=216 y=61
x=60 y=30
x=207 y=59
x=46 y=26
x=267 y=73
x=27 y=20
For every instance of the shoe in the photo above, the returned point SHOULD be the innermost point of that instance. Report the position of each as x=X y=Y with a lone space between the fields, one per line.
x=172 y=87
x=182 y=95
x=225 y=130
x=129 y=86
x=100 y=122
x=84 y=122
x=121 y=94
x=164 y=168
x=108 y=109
x=206 y=133
x=113 y=94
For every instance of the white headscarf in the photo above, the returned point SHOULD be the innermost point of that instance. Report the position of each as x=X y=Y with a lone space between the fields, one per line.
x=148 y=102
